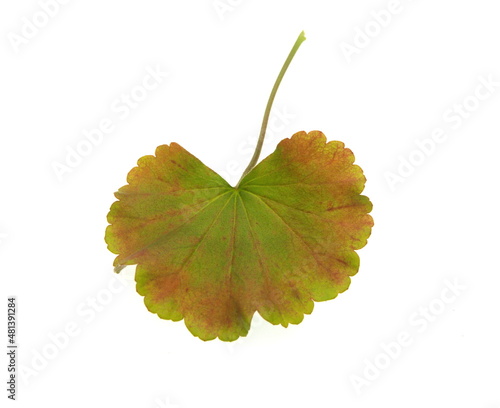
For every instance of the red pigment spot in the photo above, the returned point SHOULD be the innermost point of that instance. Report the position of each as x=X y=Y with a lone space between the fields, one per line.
x=177 y=164
x=165 y=286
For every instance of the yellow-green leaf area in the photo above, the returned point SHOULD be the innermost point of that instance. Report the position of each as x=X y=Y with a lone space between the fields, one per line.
x=213 y=254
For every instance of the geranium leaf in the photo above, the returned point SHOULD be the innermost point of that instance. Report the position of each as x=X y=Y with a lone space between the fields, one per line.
x=213 y=254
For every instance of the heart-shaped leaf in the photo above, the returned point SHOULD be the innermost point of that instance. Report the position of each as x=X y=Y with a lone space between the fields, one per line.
x=213 y=254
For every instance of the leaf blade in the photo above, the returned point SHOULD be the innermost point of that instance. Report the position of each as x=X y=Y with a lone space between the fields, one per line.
x=213 y=255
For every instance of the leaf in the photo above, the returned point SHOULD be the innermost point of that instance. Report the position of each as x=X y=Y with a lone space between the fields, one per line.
x=213 y=254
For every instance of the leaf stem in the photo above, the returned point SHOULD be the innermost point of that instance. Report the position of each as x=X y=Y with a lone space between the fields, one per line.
x=301 y=38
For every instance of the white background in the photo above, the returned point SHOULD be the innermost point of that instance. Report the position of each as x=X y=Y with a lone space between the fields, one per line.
x=437 y=225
